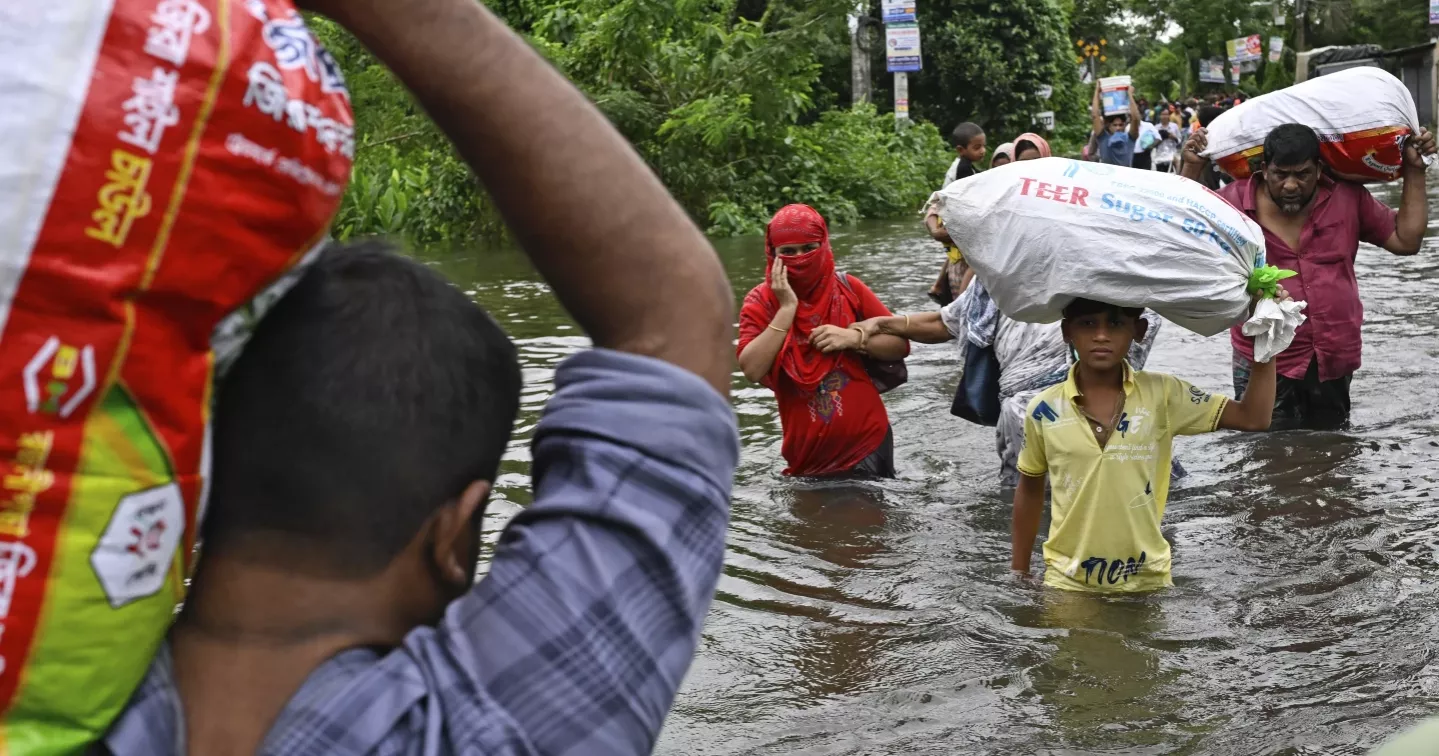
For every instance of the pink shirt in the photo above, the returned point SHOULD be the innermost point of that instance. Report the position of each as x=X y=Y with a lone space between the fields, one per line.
x=1344 y=214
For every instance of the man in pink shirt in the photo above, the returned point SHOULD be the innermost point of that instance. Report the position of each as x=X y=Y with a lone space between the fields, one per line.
x=1313 y=225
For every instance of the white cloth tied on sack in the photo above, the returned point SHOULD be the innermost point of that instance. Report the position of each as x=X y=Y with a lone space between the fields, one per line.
x=1272 y=327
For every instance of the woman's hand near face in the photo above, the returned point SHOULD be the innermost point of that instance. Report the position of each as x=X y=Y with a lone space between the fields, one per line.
x=779 y=284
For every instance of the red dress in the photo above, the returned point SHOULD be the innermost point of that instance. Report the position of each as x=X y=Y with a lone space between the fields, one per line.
x=832 y=426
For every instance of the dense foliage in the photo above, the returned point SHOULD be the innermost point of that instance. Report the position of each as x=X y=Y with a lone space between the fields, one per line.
x=407 y=179
x=986 y=61
x=728 y=109
x=742 y=106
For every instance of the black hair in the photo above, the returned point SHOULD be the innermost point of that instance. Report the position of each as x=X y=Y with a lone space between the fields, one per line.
x=371 y=395
x=1291 y=145
x=1023 y=146
x=1116 y=117
x=1208 y=113
x=1081 y=307
x=965 y=133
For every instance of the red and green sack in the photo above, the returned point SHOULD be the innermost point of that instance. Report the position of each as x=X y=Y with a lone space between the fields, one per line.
x=1363 y=117
x=163 y=162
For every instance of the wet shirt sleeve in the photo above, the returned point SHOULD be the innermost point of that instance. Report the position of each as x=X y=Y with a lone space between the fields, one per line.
x=1192 y=411
x=1377 y=221
x=1032 y=460
x=953 y=317
x=589 y=617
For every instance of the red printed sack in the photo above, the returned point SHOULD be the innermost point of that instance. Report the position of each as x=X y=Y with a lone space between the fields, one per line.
x=1363 y=117
x=164 y=161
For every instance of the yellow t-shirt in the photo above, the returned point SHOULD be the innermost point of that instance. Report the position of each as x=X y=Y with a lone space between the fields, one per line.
x=1106 y=504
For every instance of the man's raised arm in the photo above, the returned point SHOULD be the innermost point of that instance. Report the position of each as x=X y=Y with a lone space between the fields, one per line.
x=620 y=254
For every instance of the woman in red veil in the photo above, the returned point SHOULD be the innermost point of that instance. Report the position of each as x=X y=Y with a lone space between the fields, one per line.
x=795 y=338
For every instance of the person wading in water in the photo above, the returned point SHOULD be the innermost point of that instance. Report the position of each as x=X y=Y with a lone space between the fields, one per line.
x=796 y=338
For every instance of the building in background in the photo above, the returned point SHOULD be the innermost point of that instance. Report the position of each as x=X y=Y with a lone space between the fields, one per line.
x=1417 y=67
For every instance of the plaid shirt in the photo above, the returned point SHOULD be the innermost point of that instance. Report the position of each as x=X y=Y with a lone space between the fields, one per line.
x=579 y=637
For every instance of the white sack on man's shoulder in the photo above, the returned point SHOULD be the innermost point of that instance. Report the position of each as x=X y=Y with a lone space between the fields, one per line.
x=1363 y=117
x=1273 y=325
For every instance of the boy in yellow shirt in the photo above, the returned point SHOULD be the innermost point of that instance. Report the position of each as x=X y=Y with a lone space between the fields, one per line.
x=1103 y=438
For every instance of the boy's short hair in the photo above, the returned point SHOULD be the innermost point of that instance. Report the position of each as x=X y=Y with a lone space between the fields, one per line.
x=1116 y=117
x=371 y=395
x=1082 y=307
x=965 y=133
x=1291 y=145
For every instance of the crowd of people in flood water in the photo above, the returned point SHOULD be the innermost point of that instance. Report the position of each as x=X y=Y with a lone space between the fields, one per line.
x=1085 y=374
x=1071 y=399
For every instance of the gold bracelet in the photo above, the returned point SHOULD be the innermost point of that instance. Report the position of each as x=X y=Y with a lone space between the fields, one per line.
x=863 y=337
x=906 y=324
x=778 y=330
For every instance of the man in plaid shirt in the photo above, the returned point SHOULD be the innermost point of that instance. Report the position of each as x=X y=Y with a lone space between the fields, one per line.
x=356 y=438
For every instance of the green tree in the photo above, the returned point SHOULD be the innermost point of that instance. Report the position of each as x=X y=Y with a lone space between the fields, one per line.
x=1205 y=25
x=407 y=179
x=723 y=98
x=985 y=62
x=1388 y=23
x=1162 y=72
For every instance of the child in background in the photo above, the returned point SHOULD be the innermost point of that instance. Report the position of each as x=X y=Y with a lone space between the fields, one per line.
x=1108 y=494
x=1003 y=155
x=971 y=144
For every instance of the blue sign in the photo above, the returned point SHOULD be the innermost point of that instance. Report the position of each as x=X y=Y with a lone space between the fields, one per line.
x=899 y=11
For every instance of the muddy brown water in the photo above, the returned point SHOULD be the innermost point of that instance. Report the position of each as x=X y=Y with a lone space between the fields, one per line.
x=881 y=619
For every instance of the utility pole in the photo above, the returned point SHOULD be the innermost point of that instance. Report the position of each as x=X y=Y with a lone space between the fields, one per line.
x=1301 y=21
x=861 y=27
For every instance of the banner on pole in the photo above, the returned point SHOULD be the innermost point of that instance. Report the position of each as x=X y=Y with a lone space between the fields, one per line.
x=1253 y=47
x=898 y=11
x=1245 y=48
x=901 y=42
x=1434 y=11
x=901 y=96
x=1276 y=49
x=1211 y=71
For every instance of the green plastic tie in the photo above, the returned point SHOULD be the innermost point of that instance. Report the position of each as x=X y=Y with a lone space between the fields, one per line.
x=1265 y=281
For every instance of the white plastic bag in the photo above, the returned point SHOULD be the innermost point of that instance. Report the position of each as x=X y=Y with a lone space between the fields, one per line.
x=1148 y=136
x=1272 y=327
x=1362 y=116
x=1042 y=233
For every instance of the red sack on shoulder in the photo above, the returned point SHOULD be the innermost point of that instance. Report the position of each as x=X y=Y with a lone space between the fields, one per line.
x=164 y=161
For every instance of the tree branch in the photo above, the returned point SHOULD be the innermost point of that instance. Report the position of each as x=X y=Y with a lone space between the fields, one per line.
x=387 y=140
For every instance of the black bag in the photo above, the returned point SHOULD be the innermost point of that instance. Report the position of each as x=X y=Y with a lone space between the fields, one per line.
x=943 y=291
x=886 y=375
x=977 y=398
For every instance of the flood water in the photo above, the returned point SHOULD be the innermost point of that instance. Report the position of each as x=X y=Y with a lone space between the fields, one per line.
x=882 y=619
